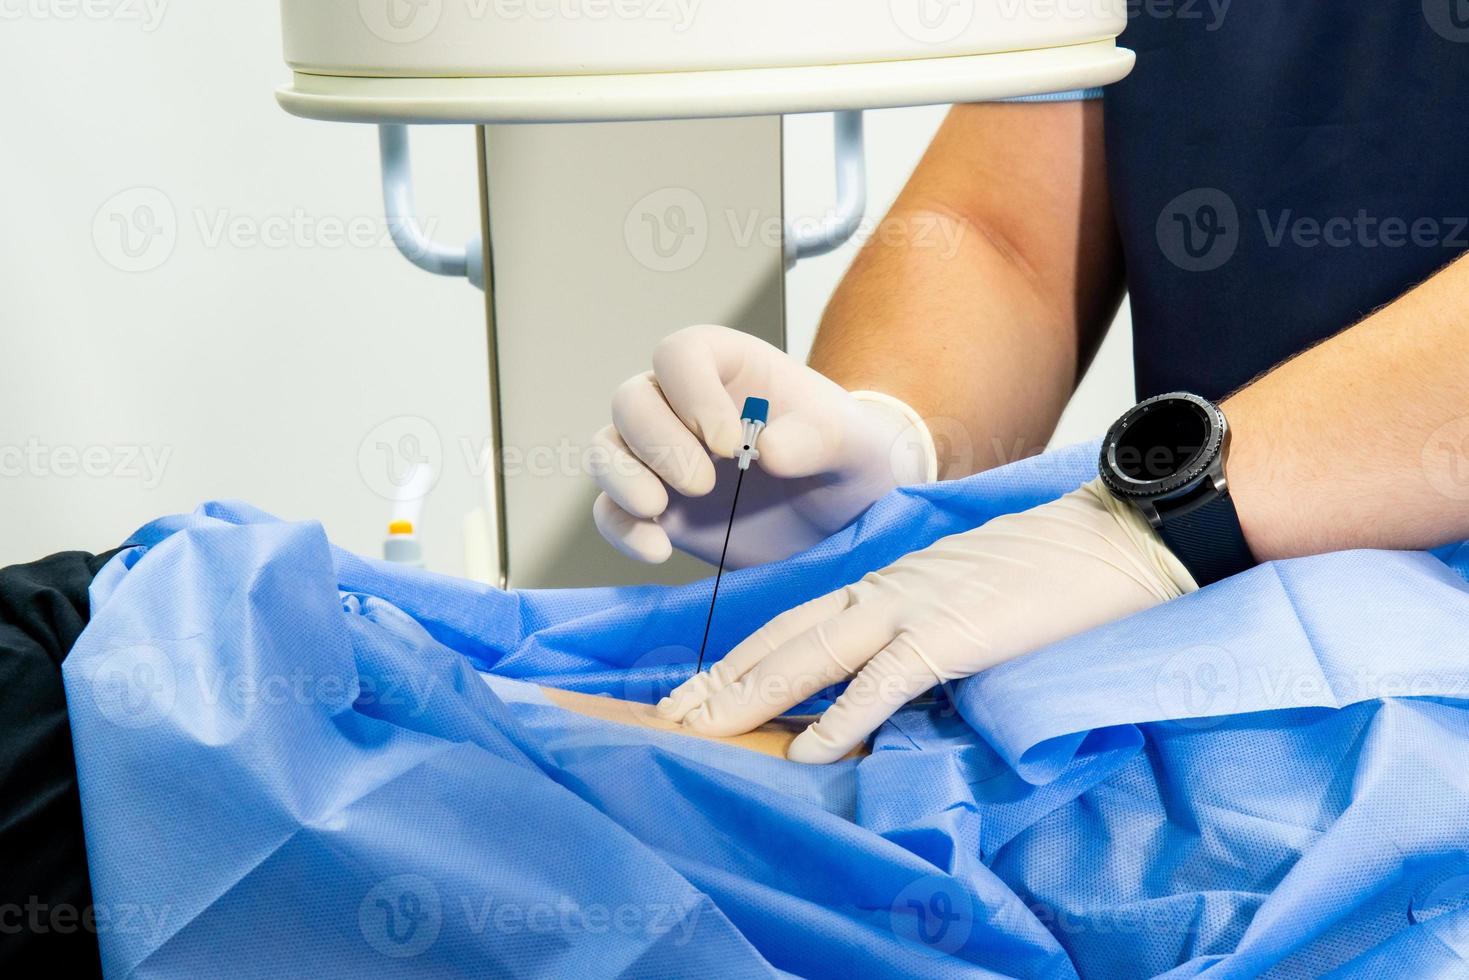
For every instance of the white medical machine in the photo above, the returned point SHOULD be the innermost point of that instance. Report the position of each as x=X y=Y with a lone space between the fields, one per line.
x=663 y=208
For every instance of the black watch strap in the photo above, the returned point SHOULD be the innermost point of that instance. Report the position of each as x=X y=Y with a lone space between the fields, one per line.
x=1208 y=539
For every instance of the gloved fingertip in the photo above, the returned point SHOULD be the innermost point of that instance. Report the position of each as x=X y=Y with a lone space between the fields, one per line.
x=666 y=708
x=657 y=551
x=813 y=748
x=698 y=719
x=700 y=481
x=683 y=699
x=722 y=435
x=790 y=447
x=641 y=540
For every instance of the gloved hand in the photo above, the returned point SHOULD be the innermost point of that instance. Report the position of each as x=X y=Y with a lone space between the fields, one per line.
x=825 y=455
x=959 y=606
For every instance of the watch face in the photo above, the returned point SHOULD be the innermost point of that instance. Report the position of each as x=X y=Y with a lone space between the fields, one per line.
x=1164 y=444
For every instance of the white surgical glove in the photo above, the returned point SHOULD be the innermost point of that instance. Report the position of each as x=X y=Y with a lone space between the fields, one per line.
x=825 y=455
x=959 y=606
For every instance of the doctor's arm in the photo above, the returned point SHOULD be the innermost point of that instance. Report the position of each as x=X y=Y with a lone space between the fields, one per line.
x=1363 y=440
x=983 y=294
x=1359 y=442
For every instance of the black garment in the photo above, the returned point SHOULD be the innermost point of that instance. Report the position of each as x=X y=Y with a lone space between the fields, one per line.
x=1279 y=171
x=46 y=916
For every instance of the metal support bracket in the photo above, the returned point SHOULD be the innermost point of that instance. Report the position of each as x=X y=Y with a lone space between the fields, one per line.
x=466 y=262
x=808 y=239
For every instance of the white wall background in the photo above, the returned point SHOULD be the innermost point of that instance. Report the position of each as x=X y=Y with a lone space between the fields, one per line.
x=271 y=326
x=198 y=299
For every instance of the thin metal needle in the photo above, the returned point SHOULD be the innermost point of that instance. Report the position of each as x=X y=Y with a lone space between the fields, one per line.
x=720 y=574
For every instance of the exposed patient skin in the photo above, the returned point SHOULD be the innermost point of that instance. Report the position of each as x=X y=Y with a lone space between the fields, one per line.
x=771 y=738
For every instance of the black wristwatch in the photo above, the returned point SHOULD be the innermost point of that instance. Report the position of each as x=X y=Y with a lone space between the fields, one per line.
x=1166 y=457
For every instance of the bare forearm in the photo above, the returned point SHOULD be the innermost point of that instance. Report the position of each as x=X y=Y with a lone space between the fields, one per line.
x=962 y=337
x=1362 y=441
x=984 y=292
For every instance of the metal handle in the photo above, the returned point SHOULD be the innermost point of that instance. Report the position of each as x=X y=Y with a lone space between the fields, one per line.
x=412 y=242
x=839 y=224
x=803 y=240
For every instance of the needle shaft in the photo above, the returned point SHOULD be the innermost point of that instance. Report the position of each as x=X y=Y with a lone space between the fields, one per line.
x=720 y=574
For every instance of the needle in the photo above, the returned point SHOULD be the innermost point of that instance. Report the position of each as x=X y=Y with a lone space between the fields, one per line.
x=712 y=599
x=752 y=422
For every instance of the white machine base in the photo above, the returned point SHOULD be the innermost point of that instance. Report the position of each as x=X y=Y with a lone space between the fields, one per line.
x=699 y=94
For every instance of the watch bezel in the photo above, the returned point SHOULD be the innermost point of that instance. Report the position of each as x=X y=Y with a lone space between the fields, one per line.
x=1197 y=469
